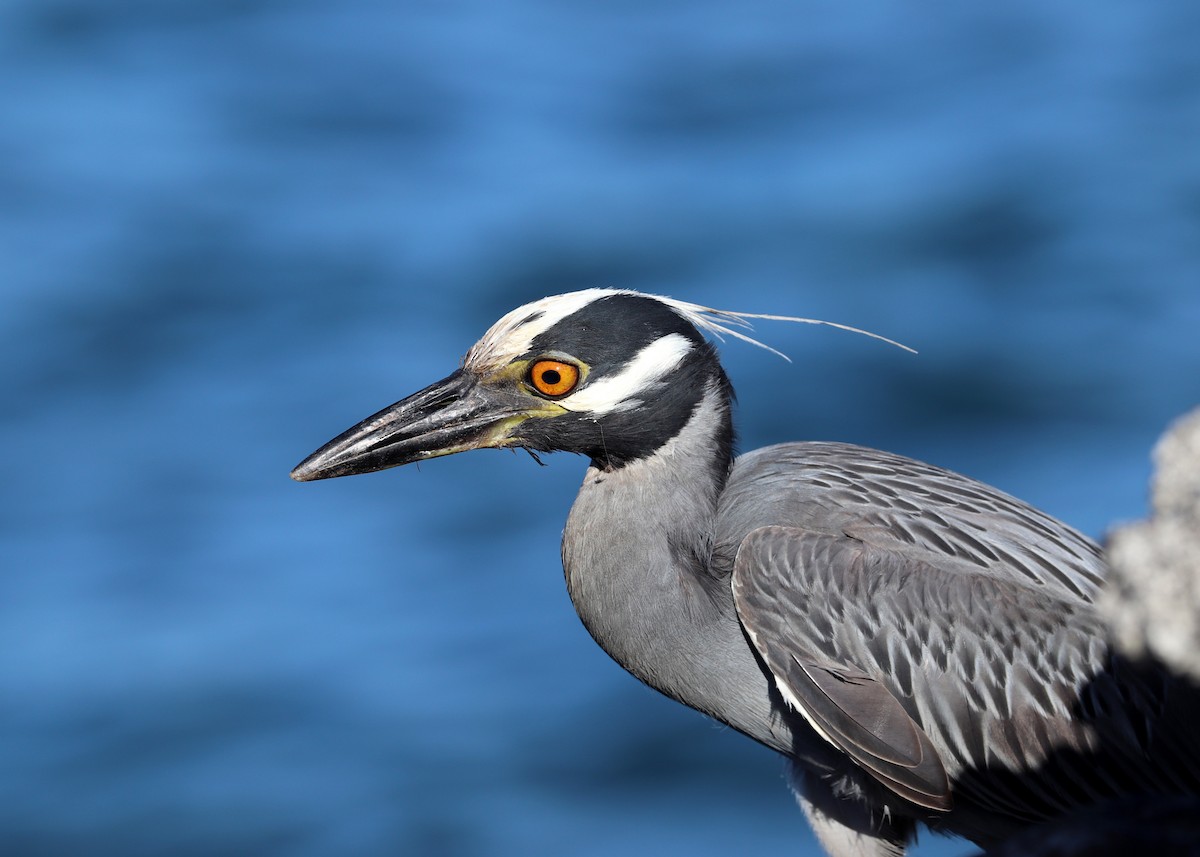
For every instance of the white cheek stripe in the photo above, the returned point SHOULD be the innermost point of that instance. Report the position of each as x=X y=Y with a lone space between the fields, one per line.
x=617 y=392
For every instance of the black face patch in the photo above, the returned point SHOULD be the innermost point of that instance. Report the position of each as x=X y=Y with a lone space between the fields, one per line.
x=609 y=332
x=607 y=335
x=618 y=437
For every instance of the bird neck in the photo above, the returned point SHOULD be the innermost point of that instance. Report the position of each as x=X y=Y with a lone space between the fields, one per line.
x=637 y=541
x=637 y=553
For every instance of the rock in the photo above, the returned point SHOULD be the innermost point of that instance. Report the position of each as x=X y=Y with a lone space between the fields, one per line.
x=1152 y=597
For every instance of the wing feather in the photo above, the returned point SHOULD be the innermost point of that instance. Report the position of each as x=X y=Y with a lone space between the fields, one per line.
x=852 y=710
x=923 y=674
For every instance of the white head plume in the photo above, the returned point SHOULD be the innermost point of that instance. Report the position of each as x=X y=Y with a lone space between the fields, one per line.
x=719 y=321
x=513 y=334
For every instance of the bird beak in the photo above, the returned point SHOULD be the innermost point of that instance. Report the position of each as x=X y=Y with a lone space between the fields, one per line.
x=455 y=414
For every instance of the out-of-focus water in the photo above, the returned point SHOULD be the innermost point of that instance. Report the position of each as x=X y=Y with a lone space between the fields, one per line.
x=229 y=229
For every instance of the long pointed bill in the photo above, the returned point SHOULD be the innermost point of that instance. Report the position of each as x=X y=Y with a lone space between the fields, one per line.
x=453 y=415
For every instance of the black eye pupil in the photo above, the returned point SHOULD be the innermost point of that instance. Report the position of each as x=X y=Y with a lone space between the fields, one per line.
x=551 y=377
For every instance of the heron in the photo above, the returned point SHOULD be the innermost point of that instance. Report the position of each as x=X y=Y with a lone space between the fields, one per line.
x=920 y=647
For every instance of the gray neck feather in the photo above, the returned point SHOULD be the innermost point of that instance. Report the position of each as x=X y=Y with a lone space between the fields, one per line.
x=636 y=553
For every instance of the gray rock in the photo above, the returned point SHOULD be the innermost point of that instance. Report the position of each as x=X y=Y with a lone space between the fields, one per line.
x=1152 y=597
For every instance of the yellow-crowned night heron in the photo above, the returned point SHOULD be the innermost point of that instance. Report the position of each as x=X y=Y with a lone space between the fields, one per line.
x=920 y=646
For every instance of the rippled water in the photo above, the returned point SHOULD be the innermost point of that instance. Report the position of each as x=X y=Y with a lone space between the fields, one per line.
x=230 y=229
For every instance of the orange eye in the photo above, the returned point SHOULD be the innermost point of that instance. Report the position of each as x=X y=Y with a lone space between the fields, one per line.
x=553 y=377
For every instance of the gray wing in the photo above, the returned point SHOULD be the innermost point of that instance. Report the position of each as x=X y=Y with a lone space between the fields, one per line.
x=909 y=505
x=917 y=668
x=903 y=607
x=846 y=704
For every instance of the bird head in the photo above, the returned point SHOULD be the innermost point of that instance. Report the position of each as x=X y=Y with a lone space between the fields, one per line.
x=610 y=374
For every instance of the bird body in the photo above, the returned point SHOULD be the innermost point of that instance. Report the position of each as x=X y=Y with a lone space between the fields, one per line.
x=921 y=647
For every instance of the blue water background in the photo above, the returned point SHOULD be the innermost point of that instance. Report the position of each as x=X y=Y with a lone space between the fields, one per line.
x=230 y=229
